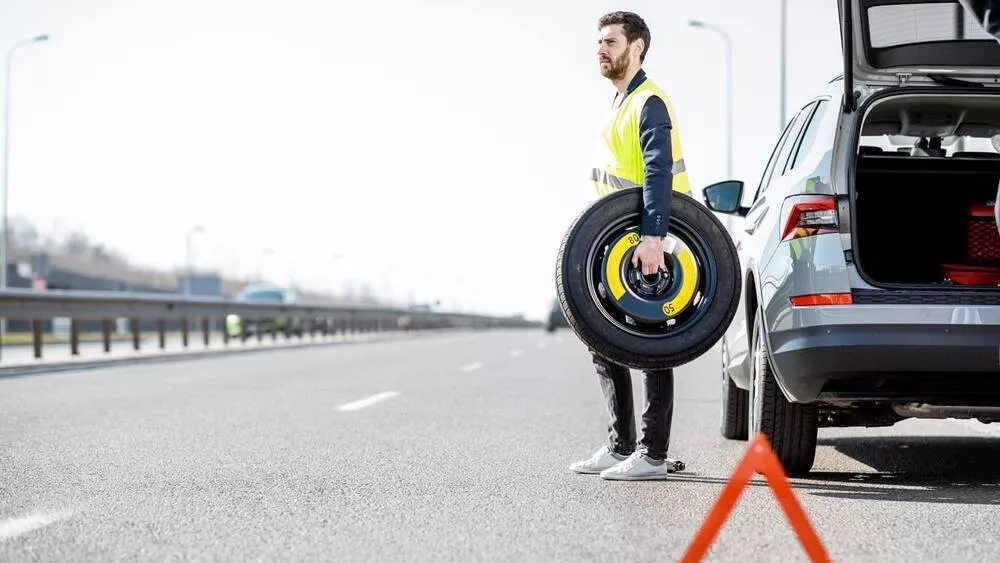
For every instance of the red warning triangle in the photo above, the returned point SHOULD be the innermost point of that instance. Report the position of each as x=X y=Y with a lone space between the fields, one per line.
x=759 y=457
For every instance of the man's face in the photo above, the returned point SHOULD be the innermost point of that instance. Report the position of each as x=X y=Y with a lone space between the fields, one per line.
x=613 y=52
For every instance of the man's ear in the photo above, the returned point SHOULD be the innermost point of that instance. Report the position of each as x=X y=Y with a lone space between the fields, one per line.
x=637 y=46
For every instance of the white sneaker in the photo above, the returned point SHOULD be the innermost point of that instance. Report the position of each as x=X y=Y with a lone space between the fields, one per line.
x=638 y=467
x=601 y=460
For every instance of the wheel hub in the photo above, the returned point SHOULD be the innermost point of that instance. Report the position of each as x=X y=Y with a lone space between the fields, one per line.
x=650 y=286
x=652 y=298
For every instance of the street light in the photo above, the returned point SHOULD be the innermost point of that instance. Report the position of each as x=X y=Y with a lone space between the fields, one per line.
x=187 y=258
x=6 y=161
x=729 y=91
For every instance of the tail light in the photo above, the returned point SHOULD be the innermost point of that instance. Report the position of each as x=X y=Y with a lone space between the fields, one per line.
x=808 y=215
x=819 y=299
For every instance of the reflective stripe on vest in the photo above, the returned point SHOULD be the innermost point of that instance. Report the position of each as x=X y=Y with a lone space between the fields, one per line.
x=602 y=178
x=619 y=161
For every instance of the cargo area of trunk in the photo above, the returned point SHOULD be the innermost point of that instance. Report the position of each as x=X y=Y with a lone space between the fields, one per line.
x=921 y=219
x=926 y=177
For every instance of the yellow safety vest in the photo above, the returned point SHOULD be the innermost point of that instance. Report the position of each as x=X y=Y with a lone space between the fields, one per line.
x=619 y=163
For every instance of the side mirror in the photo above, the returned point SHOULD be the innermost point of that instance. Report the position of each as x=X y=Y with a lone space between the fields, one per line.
x=725 y=197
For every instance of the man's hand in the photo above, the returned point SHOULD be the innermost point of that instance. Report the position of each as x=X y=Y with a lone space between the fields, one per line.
x=650 y=253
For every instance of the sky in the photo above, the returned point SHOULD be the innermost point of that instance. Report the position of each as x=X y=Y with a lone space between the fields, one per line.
x=323 y=141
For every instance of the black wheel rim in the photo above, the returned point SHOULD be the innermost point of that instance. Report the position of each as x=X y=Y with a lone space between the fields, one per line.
x=632 y=320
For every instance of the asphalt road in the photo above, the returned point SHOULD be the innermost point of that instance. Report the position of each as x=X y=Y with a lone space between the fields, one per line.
x=452 y=447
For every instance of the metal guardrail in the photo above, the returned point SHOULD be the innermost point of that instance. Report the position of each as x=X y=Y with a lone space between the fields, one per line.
x=40 y=307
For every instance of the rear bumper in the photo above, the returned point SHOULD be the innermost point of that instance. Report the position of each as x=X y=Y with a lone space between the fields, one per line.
x=942 y=355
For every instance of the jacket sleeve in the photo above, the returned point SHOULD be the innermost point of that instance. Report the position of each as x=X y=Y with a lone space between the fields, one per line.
x=654 y=138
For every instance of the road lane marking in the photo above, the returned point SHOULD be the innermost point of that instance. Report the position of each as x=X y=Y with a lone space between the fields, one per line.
x=471 y=367
x=516 y=352
x=368 y=401
x=10 y=529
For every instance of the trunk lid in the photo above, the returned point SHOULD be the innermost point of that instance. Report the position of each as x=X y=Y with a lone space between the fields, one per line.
x=890 y=43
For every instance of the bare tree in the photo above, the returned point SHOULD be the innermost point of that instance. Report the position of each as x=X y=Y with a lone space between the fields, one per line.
x=78 y=252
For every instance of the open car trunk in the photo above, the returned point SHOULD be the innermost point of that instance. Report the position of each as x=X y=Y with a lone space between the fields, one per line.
x=925 y=187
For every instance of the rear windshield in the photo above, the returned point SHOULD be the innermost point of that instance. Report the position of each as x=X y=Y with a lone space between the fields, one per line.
x=926 y=34
x=916 y=22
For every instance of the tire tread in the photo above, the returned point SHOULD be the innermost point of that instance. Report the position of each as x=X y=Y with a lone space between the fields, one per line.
x=736 y=415
x=791 y=428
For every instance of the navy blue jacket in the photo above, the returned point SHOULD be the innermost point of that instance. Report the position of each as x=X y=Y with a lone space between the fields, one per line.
x=654 y=137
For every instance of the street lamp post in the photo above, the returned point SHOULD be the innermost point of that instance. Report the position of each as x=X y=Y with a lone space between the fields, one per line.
x=6 y=161
x=729 y=91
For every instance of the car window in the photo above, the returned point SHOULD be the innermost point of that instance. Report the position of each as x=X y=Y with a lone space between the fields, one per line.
x=771 y=161
x=765 y=178
x=808 y=136
x=792 y=142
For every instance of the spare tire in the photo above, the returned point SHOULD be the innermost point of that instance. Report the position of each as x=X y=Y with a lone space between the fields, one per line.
x=648 y=322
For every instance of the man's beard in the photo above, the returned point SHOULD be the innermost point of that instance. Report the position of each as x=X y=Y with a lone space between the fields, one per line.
x=617 y=69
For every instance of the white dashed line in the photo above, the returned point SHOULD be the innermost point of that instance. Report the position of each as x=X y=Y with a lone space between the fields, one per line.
x=471 y=367
x=368 y=401
x=10 y=529
x=516 y=352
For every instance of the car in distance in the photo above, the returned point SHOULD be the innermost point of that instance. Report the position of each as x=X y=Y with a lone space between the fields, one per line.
x=242 y=328
x=869 y=248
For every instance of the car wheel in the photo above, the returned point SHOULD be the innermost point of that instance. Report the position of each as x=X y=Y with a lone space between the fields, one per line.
x=791 y=428
x=638 y=321
x=735 y=405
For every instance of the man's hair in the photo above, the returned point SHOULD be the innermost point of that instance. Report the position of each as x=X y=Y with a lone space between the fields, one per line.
x=633 y=26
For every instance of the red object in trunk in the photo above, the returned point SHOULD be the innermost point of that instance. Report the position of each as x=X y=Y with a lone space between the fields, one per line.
x=963 y=274
x=982 y=234
x=982 y=250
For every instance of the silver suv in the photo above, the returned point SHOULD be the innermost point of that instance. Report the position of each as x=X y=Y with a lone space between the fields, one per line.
x=870 y=248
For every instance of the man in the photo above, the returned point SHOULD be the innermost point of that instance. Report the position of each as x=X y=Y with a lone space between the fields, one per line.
x=638 y=147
